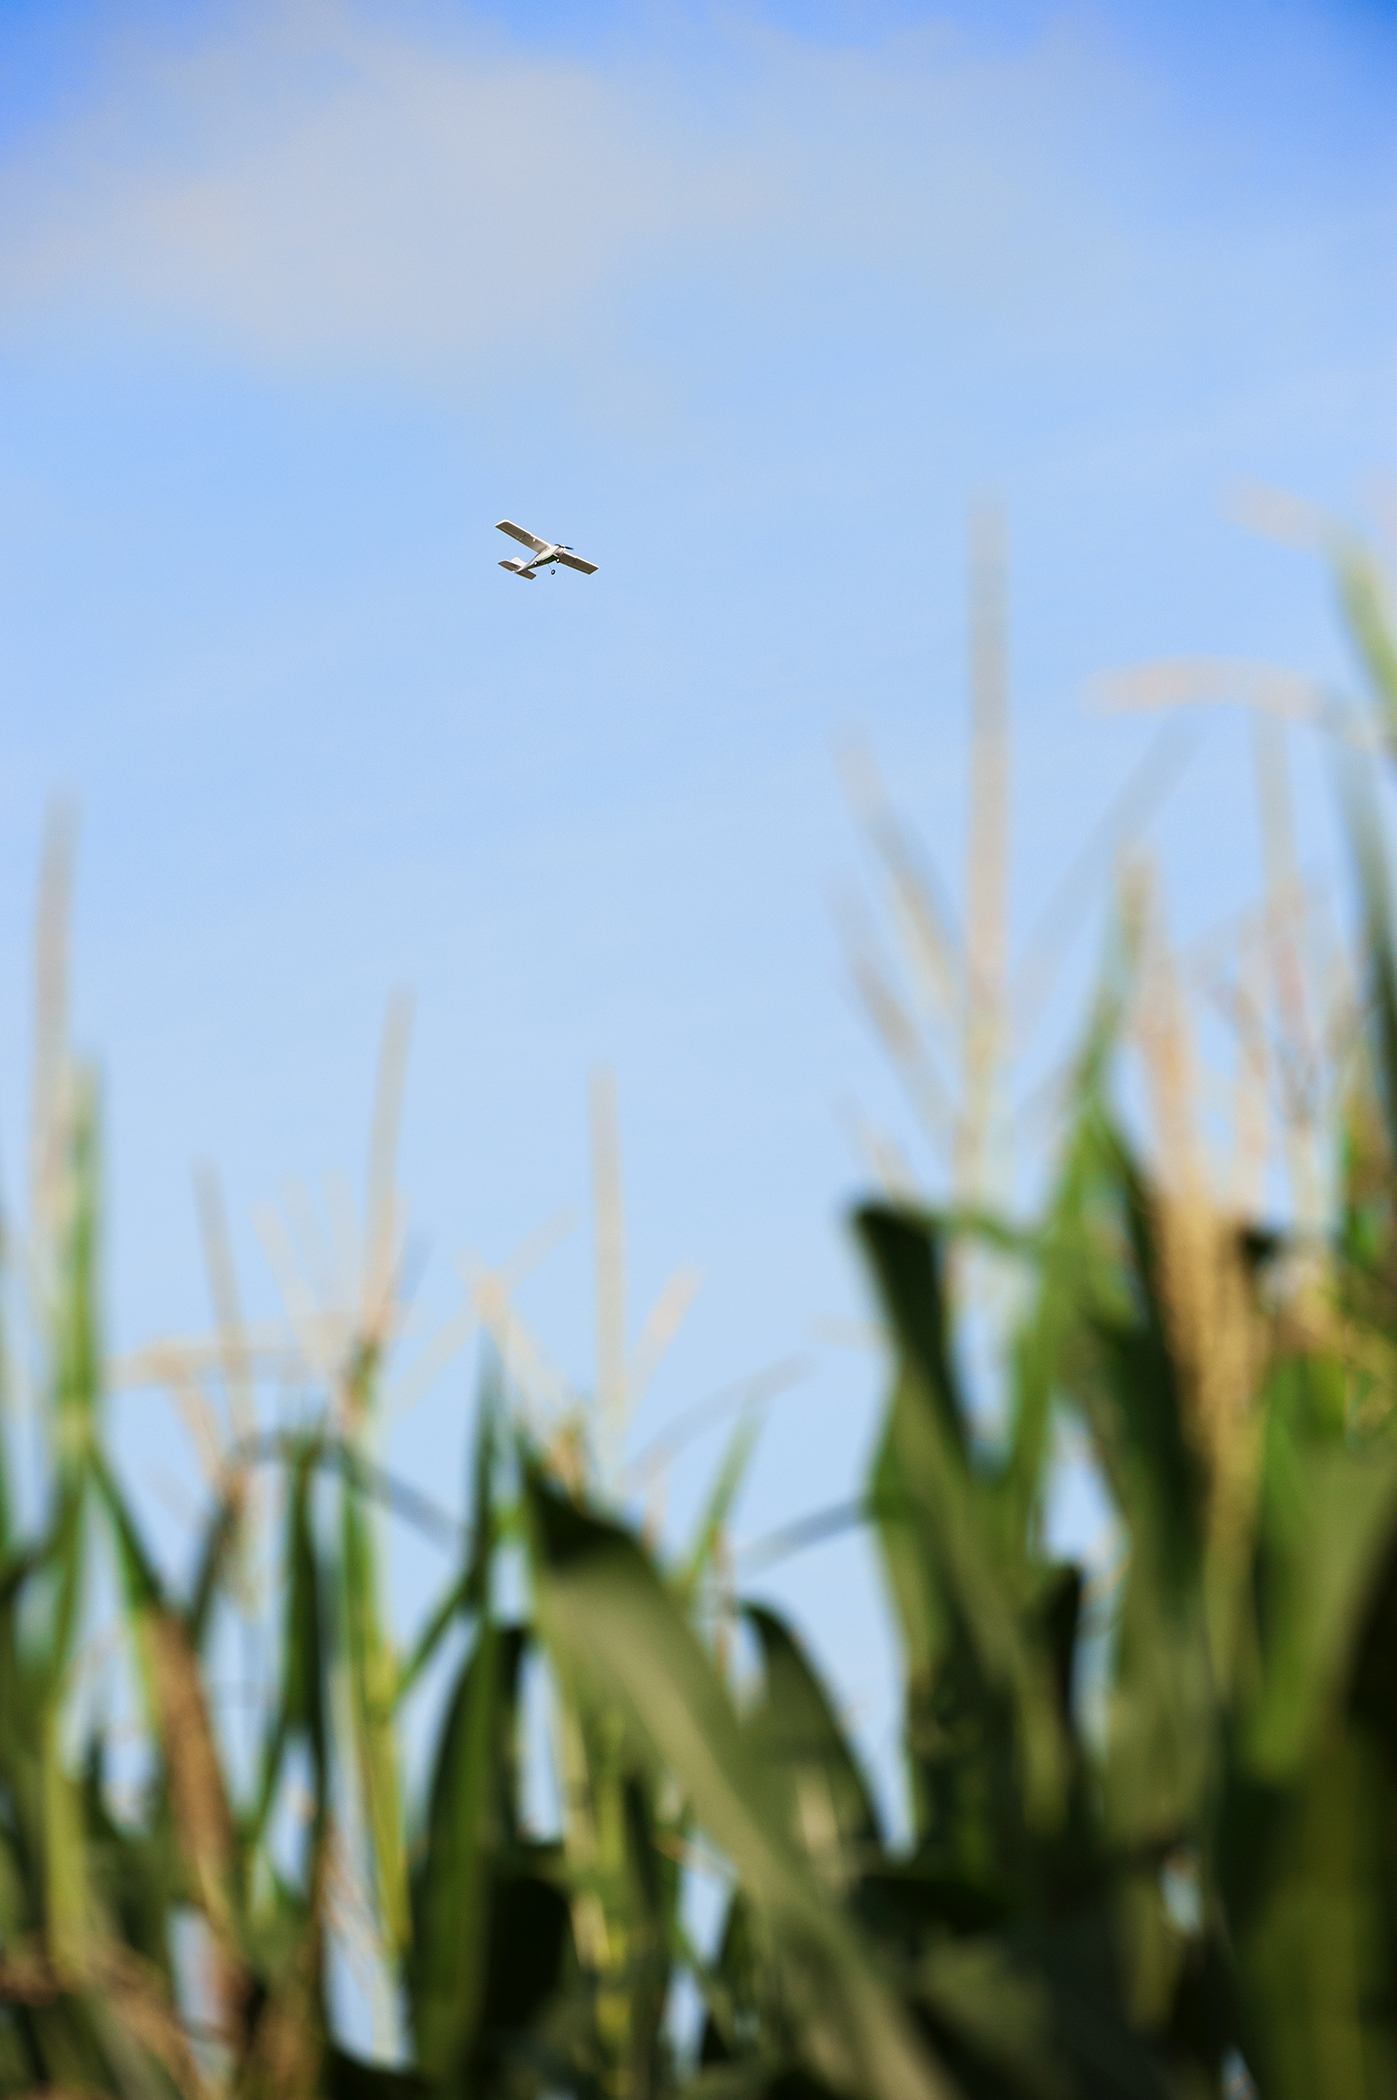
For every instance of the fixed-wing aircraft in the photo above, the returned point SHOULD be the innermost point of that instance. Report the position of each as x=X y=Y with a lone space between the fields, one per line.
x=545 y=551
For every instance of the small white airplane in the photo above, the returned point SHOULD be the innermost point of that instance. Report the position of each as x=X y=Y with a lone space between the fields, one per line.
x=545 y=551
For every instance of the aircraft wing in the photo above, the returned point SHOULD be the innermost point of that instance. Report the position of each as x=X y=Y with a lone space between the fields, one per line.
x=575 y=561
x=517 y=532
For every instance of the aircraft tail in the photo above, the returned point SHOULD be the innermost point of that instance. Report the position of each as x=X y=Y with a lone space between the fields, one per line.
x=519 y=568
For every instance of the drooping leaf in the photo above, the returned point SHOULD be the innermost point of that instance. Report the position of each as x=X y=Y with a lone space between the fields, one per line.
x=604 y=1605
x=795 y=1734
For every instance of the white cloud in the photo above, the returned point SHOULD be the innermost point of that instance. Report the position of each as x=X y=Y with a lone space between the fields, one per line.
x=318 y=189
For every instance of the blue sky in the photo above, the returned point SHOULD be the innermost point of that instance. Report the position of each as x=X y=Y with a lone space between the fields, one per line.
x=749 y=304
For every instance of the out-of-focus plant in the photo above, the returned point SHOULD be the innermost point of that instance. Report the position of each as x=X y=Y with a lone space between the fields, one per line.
x=513 y=1963
x=1153 y=1810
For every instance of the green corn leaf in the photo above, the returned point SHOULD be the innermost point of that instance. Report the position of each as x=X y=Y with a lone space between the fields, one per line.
x=1328 y=1521
x=1123 y=1378
x=140 y=1582
x=731 y=1988
x=472 y=1810
x=469 y=1591
x=69 y=1530
x=75 y=1358
x=1065 y=1249
x=1063 y=1252
x=439 y=1623
x=219 y=1544
x=904 y=1252
x=130 y=1870
x=1364 y=826
x=794 y=1732
x=606 y=1609
x=997 y=2018
x=529 y=1942
x=75 y=1337
x=66 y=1906
x=302 y=1706
x=964 y=1613
x=713 y=1521
x=446 y=1969
x=179 y=1722
x=1305 y=1873
x=8 y=1541
x=24 y=1692
x=484 y=1457
x=306 y=1653
x=15 y=1670
x=288 y=2038
x=373 y=1684
x=20 y=1900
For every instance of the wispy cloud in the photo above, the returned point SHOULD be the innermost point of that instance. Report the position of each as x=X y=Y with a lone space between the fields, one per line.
x=321 y=188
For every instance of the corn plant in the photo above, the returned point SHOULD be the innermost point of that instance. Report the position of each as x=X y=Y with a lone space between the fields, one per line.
x=1152 y=1807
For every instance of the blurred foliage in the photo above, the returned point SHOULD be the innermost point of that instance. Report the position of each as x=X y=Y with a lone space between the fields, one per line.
x=1153 y=1805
